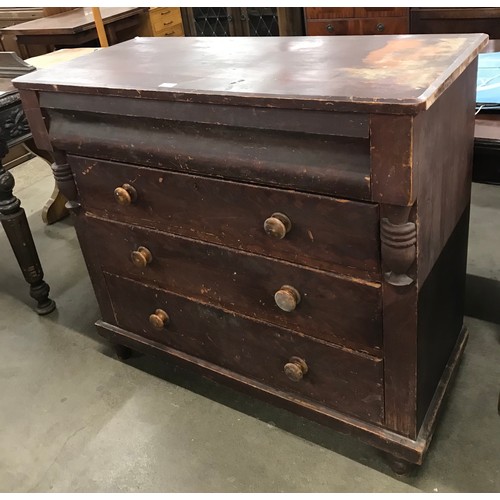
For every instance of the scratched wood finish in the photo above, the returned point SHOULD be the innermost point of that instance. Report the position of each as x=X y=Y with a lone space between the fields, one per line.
x=290 y=120
x=443 y=150
x=369 y=26
x=333 y=165
x=383 y=73
x=440 y=322
x=376 y=196
x=333 y=308
x=253 y=349
x=331 y=234
x=393 y=177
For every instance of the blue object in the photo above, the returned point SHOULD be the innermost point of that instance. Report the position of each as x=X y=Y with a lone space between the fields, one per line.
x=488 y=81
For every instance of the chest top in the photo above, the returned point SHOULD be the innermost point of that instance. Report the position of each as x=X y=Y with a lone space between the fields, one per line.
x=402 y=74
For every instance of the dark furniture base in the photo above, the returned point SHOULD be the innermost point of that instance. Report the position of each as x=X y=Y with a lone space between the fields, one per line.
x=403 y=452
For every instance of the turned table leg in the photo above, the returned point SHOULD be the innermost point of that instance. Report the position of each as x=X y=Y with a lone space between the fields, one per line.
x=55 y=208
x=16 y=227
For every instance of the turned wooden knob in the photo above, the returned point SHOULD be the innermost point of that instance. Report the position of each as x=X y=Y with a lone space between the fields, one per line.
x=141 y=257
x=125 y=195
x=295 y=369
x=287 y=298
x=277 y=225
x=159 y=319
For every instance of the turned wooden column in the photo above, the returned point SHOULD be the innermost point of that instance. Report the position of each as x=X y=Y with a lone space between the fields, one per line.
x=16 y=227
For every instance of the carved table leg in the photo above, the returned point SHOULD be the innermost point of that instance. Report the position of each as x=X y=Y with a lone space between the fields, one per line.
x=16 y=227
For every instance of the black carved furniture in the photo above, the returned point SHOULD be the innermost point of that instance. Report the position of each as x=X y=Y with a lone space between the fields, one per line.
x=14 y=130
x=288 y=215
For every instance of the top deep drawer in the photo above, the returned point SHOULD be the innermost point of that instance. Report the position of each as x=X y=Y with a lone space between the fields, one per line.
x=326 y=233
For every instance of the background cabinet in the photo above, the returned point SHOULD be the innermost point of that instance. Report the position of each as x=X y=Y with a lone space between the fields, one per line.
x=162 y=21
x=461 y=20
x=356 y=20
x=242 y=21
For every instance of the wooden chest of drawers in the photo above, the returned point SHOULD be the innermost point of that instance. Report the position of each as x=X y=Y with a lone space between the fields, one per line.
x=356 y=20
x=163 y=21
x=298 y=234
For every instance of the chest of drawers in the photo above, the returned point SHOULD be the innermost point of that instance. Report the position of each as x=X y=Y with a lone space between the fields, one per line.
x=297 y=233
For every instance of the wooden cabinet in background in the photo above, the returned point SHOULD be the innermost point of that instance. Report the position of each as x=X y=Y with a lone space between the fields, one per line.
x=242 y=21
x=461 y=20
x=356 y=20
x=163 y=21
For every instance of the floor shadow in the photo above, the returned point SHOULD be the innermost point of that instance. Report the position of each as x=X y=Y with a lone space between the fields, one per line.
x=482 y=298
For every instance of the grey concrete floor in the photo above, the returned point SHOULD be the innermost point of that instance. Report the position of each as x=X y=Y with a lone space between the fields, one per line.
x=75 y=419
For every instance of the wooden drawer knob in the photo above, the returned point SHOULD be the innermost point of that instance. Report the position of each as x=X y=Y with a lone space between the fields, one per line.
x=277 y=225
x=295 y=369
x=141 y=257
x=125 y=195
x=159 y=319
x=287 y=298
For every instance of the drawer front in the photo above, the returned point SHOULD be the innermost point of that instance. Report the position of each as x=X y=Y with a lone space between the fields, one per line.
x=343 y=380
x=164 y=14
x=171 y=30
x=327 y=233
x=384 y=26
x=375 y=26
x=332 y=308
x=163 y=23
x=332 y=27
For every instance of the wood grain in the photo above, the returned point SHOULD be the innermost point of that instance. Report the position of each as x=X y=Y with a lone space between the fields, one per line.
x=331 y=234
x=314 y=163
x=443 y=149
x=333 y=308
x=393 y=175
x=253 y=349
x=338 y=74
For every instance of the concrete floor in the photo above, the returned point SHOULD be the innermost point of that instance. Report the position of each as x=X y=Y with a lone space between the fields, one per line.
x=75 y=419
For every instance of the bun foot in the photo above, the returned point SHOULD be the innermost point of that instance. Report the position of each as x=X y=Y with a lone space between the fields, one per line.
x=122 y=352
x=399 y=466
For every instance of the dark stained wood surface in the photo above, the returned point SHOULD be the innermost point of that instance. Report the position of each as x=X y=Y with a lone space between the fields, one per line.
x=443 y=150
x=455 y=20
x=440 y=322
x=398 y=73
x=393 y=174
x=333 y=308
x=331 y=234
x=289 y=120
x=253 y=348
x=211 y=179
x=369 y=26
x=71 y=22
x=315 y=163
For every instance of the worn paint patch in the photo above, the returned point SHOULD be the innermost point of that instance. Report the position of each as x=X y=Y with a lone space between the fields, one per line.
x=408 y=62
